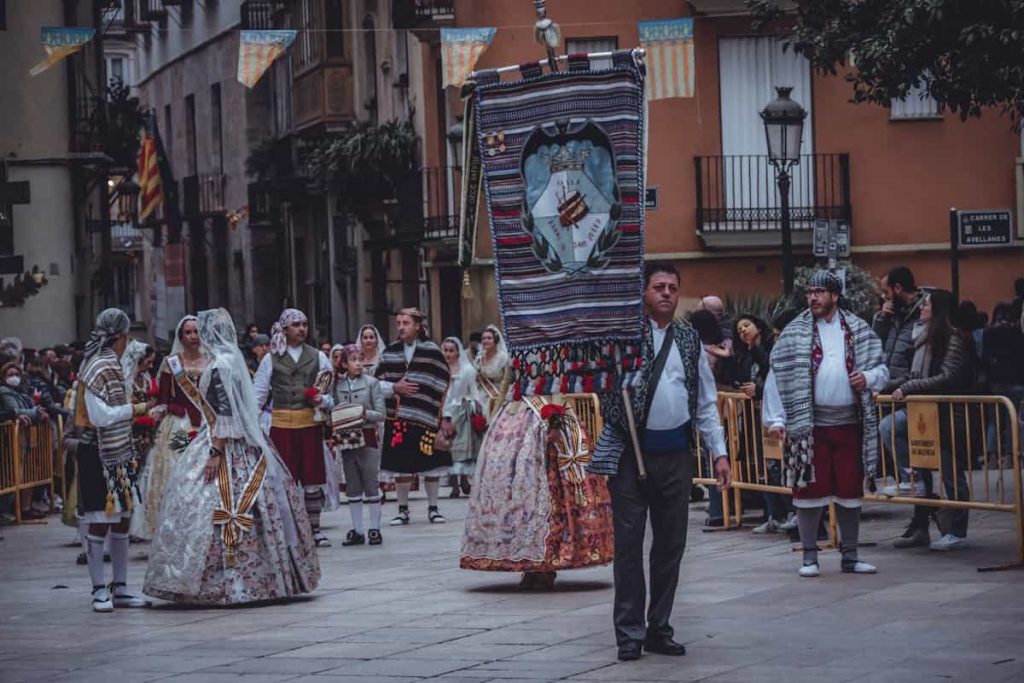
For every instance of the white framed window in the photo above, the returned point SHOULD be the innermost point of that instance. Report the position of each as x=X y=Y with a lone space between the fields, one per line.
x=918 y=104
x=116 y=68
x=589 y=45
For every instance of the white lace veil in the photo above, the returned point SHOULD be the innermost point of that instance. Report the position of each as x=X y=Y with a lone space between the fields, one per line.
x=133 y=355
x=380 y=340
x=219 y=340
x=464 y=363
x=177 y=347
x=495 y=368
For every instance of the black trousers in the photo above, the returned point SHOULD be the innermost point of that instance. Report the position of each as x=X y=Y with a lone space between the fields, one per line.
x=666 y=495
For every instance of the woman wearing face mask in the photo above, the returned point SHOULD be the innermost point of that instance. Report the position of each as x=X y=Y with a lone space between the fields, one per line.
x=178 y=413
x=14 y=398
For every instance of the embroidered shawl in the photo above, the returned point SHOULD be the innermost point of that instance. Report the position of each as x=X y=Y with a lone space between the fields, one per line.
x=792 y=361
x=429 y=370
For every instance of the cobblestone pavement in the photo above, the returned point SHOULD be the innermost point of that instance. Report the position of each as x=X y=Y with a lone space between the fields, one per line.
x=404 y=612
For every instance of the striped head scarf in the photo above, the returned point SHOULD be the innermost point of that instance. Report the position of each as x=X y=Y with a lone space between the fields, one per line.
x=111 y=323
x=827 y=280
x=289 y=316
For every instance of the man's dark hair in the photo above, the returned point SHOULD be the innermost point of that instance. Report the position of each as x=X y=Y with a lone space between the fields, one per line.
x=1018 y=287
x=654 y=267
x=902 y=276
x=707 y=327
x=476 y=337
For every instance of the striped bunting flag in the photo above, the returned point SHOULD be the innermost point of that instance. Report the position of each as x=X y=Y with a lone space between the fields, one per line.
x=669 y=45
x=460 y=50
x=60 y=42
x=151 y=194
x=257 y=50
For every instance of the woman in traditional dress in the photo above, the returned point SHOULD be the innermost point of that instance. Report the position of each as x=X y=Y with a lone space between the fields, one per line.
x=233 y=528
x=136 y=363
x=534 y=508
x=373 y=348
x=492 y=370
x=178 y=415
x=461 y=430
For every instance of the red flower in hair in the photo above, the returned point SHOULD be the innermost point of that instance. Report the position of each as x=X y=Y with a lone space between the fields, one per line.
x=478 y=423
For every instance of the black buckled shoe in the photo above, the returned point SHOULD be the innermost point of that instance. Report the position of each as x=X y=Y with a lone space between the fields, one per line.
x=630 y=652
x=665 y=646
x=353 y=537
x=374 y=536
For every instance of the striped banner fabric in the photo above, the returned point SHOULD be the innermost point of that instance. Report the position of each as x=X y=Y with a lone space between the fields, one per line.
x=562 y=158
x=460 y=50
x=257 y=50
x=151 y=194
x=670 y=63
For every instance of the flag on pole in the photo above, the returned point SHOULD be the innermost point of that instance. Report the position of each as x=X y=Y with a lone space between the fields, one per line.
x=257 y=50
x=460 y=50
x=151 y=193
x=60 y=42
x=669 y=45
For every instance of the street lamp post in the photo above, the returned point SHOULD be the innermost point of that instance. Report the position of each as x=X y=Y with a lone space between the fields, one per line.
x=783 y=127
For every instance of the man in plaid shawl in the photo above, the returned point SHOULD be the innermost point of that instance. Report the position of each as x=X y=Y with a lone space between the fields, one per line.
x=817 y=399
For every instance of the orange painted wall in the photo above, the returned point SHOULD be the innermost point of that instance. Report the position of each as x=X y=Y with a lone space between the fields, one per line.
x=904 y=175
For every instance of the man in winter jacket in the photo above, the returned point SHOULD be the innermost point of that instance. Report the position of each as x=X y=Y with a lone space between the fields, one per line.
x=894 y=323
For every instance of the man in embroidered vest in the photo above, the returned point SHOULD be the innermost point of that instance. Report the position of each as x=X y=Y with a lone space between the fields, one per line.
x=817 y=398
x=414 y=378
x=287 y=375
x=108 y=466
x=676 y=396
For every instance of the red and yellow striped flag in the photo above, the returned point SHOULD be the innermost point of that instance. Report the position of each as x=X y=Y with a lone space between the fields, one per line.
x=460 y=50
x=257 y=50
x=670 y=65
x=151 y=193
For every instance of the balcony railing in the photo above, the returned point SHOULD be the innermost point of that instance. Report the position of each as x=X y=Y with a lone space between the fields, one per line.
x=86 y=125
x=264 y=209
x=406 y=14
x=738 y=200
x=259 y=14
x=152 y=10
x=204 y=194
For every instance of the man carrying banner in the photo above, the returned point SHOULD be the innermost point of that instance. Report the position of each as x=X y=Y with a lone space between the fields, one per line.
x=675 y=398
x=287 y=375
x=828 y=424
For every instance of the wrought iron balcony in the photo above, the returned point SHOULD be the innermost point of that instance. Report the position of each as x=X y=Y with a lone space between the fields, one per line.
x=738 y=201
x=87 y=125
x=411 y=14
x=260 y=14
x=203 y=194
x=152 y=10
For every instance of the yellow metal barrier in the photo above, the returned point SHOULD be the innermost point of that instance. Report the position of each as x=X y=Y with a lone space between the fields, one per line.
x=26 y=459
x=945 y=439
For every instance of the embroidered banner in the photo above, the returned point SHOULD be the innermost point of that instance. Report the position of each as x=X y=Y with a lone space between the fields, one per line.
x=563 y=171
x=669 y=45
x=257 y=50
x=460 y=50
x=60 y=42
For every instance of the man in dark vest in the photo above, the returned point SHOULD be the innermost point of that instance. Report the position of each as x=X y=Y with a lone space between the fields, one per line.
x=675 y=398
x=287 y=375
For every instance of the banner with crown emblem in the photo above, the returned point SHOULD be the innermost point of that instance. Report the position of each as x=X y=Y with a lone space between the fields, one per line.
x=563 y=171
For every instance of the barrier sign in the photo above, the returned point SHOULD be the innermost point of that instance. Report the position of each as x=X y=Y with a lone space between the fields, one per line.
x=980 y=229
x=923 y=434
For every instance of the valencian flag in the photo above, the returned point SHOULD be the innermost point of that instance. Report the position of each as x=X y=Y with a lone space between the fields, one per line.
x=669 y=45
x=156 y=181
x=257 y=50
x=61 y=42
x=460 y=50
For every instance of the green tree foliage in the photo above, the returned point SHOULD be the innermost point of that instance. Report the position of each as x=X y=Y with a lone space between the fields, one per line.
x=969 y=54
x=125 y=119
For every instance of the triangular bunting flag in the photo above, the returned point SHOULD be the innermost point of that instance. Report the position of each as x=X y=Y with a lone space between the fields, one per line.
x=257 y=50
x=460 y=50
x=61 y=42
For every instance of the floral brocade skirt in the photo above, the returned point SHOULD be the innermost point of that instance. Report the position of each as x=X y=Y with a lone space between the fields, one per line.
x=156 y=473
x=189 y=562
x=524 y=513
